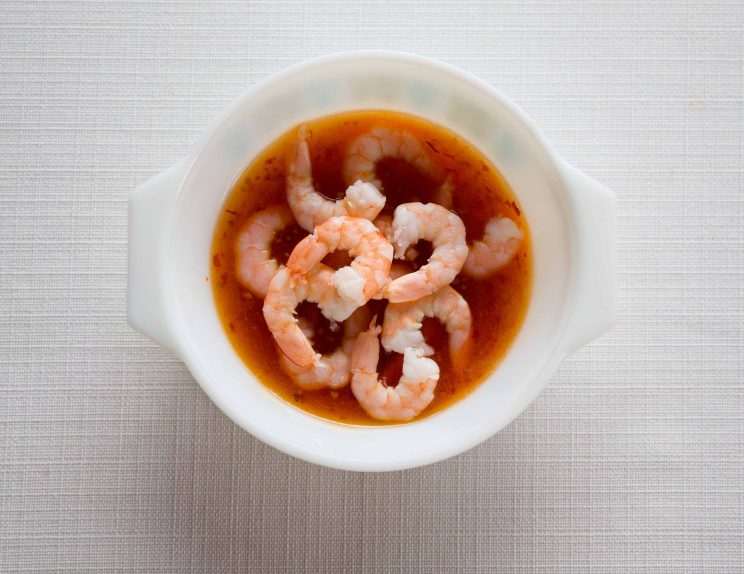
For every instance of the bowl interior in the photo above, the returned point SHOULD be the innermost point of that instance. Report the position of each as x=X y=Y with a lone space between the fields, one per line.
x=370 y=81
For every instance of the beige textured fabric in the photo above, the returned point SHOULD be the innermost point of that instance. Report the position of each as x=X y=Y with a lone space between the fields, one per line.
x=111 y=457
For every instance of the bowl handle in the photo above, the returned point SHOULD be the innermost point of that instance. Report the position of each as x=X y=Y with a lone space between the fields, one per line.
x=595 y=294
x=151 y=207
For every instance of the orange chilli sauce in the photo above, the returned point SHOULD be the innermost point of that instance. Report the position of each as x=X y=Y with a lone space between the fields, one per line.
x=498 y=303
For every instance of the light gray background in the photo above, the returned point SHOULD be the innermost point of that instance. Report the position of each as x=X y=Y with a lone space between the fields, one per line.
x=112 y=458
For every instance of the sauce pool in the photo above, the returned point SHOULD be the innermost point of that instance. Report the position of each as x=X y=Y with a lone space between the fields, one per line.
x=498 y=303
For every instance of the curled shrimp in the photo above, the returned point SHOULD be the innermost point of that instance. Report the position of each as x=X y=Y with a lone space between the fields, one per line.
x=282 y=297
x=254 y=265
x=333 y=370
x=500 y=243
x=382 y=142
x=445 y=230
x=310 y=208
x=401 y=328
x=412 y=394
x=356 y=283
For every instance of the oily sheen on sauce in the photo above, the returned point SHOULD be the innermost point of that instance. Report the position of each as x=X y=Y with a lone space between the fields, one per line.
x=498 y=303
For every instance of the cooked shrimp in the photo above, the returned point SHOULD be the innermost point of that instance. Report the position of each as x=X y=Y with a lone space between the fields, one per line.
x=401 y=328
x=445 y=230
x=379 y=143
x=282 y=297
x=500 y=243
x=412 y=394
x=334 y=370
x=382 y=142
x=254 y=265
x=356 y=283
x=310 y=207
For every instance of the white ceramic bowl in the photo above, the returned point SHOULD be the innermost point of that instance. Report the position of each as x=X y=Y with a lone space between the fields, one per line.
x=571 y=218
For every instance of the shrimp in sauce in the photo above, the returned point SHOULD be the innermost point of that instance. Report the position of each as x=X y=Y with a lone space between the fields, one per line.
x=412 y=394
x=357 y=283
x=500 y=243
x=284 y=294
x=254 y=264
x=396 y=386
x=310 y=207
x=446 y=232
x=381 y=143
x=401 y=328
x=334 y=370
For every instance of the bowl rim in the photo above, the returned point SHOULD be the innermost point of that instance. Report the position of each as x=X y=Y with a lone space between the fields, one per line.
x=553 y=356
